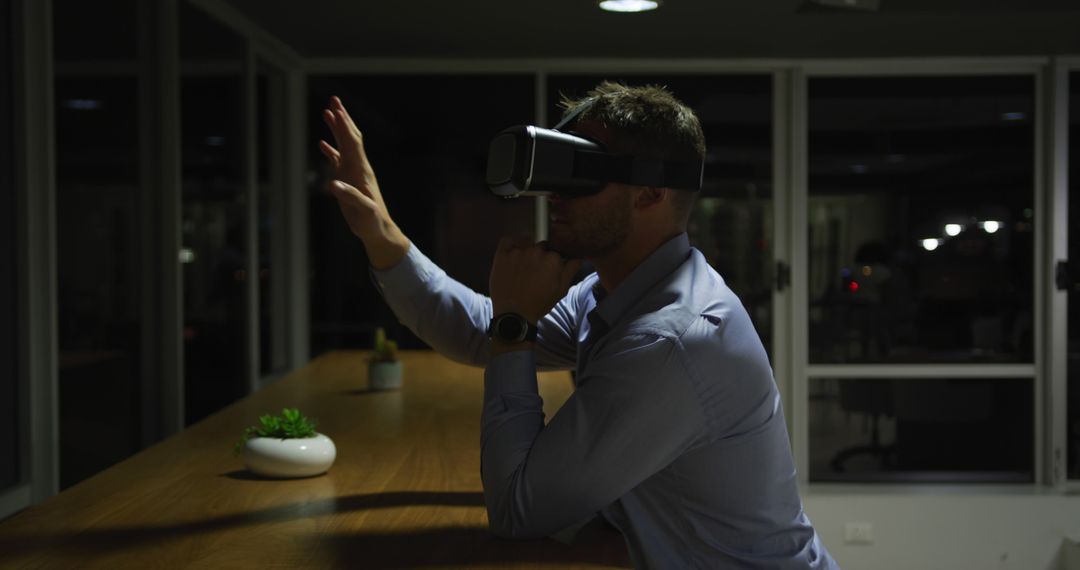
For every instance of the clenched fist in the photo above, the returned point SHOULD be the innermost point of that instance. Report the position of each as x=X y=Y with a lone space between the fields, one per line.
x=528 y=279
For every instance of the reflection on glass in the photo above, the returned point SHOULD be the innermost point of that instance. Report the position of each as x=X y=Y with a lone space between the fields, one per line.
x=9 y=380
x=732 y=221
x=921 y=430
x=427 y=137
x=270 y=165
x=214 y=269
x=99 y=276
x=1073 y=370
x=921 y=219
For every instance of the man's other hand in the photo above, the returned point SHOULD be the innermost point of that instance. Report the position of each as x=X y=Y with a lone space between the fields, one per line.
x=528 y=279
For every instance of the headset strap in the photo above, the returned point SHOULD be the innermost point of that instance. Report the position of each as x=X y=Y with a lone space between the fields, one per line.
x=569 y=119
x=637 y=170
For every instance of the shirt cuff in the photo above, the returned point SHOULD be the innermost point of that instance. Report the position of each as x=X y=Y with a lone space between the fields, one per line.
x=409 y=274
x=510 y=373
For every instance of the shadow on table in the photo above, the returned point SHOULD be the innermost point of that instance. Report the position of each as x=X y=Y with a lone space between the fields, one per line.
x=451 y=546
x=104 y=539
x=465 y=546
x=363 y=392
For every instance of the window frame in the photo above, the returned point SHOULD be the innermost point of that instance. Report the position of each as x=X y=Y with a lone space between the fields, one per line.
x=35 y=242
x=1057 y=203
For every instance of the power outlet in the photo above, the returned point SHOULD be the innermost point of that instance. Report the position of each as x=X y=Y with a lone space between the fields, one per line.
x=859 y=533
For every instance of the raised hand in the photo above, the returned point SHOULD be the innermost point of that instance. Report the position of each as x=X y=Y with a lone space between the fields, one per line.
x=349 y=160
x=357 y=190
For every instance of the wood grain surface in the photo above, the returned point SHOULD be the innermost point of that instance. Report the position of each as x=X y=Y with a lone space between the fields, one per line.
x=404 y=491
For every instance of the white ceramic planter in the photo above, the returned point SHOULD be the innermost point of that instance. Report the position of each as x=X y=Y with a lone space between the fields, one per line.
x=285 y=458
x=384 y=375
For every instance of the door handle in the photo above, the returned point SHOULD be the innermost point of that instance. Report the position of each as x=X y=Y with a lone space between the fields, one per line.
x=1063 y=276
x=783 y=276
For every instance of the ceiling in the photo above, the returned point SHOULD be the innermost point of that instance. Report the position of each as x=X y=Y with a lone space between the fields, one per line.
x=679 y=29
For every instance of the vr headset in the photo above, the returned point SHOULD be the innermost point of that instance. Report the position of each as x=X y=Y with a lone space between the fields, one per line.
x=531 y=161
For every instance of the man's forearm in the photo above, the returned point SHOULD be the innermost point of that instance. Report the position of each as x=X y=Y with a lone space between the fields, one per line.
x=449 y=316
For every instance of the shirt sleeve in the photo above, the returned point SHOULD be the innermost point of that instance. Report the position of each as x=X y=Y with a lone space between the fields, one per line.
x=453 y=319
x=634 y=412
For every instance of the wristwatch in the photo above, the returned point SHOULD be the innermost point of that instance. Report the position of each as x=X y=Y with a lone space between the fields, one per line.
x=511 y=328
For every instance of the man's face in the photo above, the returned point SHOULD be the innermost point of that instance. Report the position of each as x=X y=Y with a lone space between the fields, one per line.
x=590 y=226
x=595 y=225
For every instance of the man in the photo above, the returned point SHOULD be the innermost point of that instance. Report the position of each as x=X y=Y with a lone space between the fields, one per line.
x=675 y=433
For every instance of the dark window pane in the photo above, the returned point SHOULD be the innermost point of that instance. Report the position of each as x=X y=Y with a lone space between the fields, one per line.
x=104 y=30
x=427 y=137
x=1073 y=423
x=732 y=221
x=99 y=273
x=213 y=214
x=9 y=371
x=921 y=219
x=922 y=430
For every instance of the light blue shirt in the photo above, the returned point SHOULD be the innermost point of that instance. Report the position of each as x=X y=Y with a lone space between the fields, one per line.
x=675 y=433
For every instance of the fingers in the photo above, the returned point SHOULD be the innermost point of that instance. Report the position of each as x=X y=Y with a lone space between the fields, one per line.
x=334 y=125
x=563 y=269
x=341 y=125
x=343 y=114
x=341 y=134
x=330 y=153
x=508 y=243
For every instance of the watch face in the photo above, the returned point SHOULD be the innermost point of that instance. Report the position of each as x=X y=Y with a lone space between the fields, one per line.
x=510 y=328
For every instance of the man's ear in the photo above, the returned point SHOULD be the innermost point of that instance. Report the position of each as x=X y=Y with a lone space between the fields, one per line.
x=651 y=196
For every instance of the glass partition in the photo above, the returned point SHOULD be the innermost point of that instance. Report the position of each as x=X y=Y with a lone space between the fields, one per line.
x=95 y=32
x=921 y=209
x=10 y=432
x=922 y=429
x=99 y=230
x=921 y=251
x=732 y=223
x=427 y=137
x=213 y=213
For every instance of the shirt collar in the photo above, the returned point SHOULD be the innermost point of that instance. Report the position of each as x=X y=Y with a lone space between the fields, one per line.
x=660 y=263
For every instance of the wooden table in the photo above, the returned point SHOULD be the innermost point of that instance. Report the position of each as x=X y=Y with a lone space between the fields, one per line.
x=404 y=492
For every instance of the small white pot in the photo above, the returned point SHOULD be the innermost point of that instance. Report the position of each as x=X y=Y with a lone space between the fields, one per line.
x=285 y=458
x=384 y=375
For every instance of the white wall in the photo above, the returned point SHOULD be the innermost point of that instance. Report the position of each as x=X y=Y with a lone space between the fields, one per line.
x=933 y=530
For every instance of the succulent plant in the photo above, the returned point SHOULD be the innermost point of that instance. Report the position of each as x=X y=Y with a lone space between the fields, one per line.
x=385 y=350
x=291 y=424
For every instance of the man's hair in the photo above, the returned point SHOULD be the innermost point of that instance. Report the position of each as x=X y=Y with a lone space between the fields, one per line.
x=645 y=121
